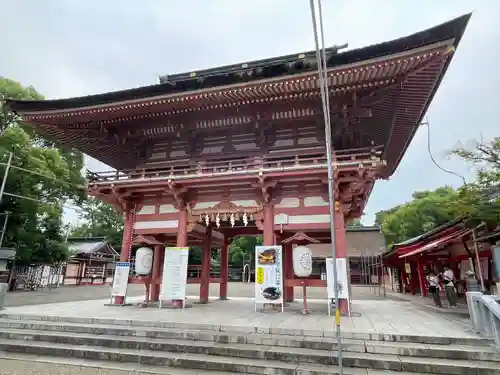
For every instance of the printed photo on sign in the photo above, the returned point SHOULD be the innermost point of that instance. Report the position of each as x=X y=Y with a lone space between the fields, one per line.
x=268 y=256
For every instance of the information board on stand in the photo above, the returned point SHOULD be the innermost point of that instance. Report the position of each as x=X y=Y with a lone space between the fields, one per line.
x=174 y=277
x=120 y=280
x=268 y=276
x=342 y=283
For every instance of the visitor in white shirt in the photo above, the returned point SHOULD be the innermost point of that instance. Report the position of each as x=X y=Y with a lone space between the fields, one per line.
x=449 y=286
x=433 y=282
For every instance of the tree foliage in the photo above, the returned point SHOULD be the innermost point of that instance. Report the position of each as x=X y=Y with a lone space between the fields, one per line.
x=479 y=200
x=44 y=176
x=426 y=211
x=242 y=250
x=99 y=219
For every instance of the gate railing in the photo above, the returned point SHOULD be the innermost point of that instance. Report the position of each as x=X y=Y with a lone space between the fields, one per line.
x=485 y=315
x=268 y=164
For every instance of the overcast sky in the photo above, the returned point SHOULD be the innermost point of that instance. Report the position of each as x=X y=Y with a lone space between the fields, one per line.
x=70 y=48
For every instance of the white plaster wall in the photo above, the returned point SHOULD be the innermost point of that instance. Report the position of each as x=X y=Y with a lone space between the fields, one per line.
x=317 y=201
x=289 y=203
x=160 y=224
x=146 y=210
x=167 y=209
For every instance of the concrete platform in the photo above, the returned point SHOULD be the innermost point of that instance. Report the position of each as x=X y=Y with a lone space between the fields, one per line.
x=370 y=316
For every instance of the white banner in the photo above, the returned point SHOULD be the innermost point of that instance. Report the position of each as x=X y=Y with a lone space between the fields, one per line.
x=175 y=271
x=342 y=279
x=120 y=279
x=268 y=275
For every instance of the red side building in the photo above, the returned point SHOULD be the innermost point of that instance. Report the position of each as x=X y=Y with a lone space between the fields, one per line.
x=454 y=245
x=207 y=155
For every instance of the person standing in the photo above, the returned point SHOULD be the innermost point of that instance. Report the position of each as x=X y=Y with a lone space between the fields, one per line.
x=449 y=286
x=434 y=289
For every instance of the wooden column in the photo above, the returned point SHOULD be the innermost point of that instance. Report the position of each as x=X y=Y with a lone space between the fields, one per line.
x=421 y=276
x=157 y=271
x=288 y=265
x=205 y=266
x=126 y=244
x=268 y=225
x=182 y=234
x=341 y=245
x=413 y=277
x=224 y=269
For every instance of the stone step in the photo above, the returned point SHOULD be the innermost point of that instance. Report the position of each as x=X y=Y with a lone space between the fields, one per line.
x=24 y=364
x=170 y=329
x=173 y=360
x=303 y=349
x=246 y=358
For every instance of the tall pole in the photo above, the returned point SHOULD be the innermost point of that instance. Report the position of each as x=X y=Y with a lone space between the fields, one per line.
x=5 y=175
x=323 y=83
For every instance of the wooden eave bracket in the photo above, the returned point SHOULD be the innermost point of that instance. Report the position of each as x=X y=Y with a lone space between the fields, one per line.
x=264 y=186
x=178 y=193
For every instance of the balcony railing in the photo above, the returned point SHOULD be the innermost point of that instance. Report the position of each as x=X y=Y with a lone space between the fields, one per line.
x=246 y=166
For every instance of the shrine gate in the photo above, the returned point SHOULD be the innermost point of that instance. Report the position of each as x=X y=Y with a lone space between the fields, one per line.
x=207 y=155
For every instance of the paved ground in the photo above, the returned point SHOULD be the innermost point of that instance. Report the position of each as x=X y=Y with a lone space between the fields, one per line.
x=369 y=315
x=85 y=293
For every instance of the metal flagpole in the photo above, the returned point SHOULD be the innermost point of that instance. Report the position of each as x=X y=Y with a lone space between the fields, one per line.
x=326 y=113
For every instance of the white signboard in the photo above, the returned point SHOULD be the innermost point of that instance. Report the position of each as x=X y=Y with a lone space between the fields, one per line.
x=120 y=280
x=268 y=275
x=342 y=280
x=175 y=272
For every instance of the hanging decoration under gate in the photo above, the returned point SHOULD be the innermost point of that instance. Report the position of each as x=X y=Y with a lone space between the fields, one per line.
x=268 y=276
x=226 y=213
x=231 y=218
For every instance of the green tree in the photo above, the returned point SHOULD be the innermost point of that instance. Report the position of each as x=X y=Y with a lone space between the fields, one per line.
x=242 y=250
x=426 y=211
x=481 y=198
x=42 y=177
x=100 y=220
x=381 y=215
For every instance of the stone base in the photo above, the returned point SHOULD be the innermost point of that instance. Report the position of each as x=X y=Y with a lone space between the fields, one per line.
x=118 y=305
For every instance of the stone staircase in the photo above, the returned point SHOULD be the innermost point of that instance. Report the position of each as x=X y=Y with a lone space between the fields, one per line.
x=148 y=347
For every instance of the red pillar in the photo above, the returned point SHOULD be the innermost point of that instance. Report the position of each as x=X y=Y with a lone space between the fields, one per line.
x=341 y=245
x=182 y=235
x=268 y=226
x=224 y=269
x=288 y=263
x=126 y=244
x=205 y=266
x=157 y=270
x=182 y=241
x=421 y=276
